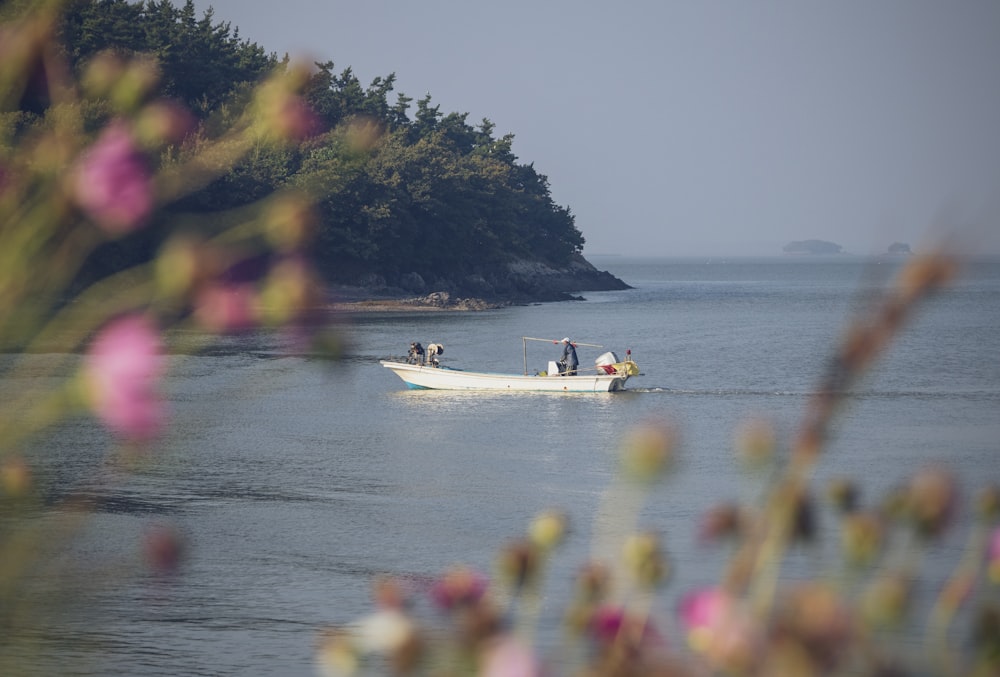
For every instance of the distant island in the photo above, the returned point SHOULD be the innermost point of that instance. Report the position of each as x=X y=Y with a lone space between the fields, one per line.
x=824 y=248
x=812 y=247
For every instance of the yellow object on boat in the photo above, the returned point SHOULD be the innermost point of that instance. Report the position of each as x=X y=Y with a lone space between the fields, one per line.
x=629 y=367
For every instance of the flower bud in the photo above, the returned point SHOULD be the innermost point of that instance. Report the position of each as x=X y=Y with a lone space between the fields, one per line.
x=290 y=290
x=931 y=501
x=894 y=505
x=519 y=564
x=163 y=122
x=861 y=537
x=648 y=452
x=593 y=582
x=457 y=588
x=755 y=442
x=956 y=591
x=135 y=84
x=645 y=560
x=819 y=619
x=721 y=521
x=101 y=74
x=283 y=115
x=886 y=600
x=389 y=593
x=794 y=505
x=988 y=503
x=336 y=655
x=548 y=529
x=15 y=477
x=178 y=266
x=843 y=493
x=288 y=222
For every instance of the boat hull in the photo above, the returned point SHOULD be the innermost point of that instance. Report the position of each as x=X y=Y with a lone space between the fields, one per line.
x=442 y=378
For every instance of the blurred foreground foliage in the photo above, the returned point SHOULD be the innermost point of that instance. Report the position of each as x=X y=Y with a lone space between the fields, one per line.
x=111 y=153
x=95 y=159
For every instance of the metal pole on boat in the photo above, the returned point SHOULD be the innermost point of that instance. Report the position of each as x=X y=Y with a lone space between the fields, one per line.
x=524 y=346
x=575 y=343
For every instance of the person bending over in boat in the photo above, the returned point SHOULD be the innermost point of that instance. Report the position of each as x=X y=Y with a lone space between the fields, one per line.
x=568 y=363
x=416 y=354
x=433 y=351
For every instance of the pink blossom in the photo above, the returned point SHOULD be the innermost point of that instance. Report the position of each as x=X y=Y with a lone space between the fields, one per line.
x=720 y=628
x=458 y=587
x=509 y=657
x=296 y=120
x=704 y=608
x=122 y=369
x=112 y=182
x=608 y=623
x=227 y=308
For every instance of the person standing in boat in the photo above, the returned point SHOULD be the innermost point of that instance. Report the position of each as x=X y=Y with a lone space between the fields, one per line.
x=568 y=363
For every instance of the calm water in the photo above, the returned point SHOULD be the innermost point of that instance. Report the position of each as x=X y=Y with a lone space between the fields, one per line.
x=295 y=483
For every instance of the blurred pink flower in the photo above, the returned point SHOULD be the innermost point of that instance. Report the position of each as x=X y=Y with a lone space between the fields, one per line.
x=296 y=120
x=458 y=587
x=720 y=628
x=704 y=608
x=509 y=657
x=112 y=182
x=227 y=308
x=608 y=623
x=993 y=556
x=122 y=369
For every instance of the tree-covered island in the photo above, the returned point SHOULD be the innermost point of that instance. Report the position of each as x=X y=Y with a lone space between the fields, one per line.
x=409 y=199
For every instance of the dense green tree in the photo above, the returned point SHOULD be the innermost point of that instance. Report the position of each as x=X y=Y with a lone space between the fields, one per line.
x=428 y=194
x=200 y=60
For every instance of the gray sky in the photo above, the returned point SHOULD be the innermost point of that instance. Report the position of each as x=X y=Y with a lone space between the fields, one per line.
x=701 y=127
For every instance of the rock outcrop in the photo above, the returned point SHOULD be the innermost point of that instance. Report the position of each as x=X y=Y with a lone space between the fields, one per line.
x=518 y=281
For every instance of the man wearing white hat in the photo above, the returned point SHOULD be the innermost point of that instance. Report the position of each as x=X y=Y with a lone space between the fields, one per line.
x=568 y=363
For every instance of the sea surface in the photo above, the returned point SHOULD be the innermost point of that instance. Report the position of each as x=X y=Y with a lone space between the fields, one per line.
x=295 y=482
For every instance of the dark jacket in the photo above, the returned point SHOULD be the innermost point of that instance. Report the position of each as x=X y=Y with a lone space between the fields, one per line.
x=569 y=357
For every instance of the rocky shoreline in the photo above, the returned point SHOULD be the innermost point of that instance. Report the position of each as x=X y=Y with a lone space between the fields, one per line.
x=436 y=301
x=521 y=282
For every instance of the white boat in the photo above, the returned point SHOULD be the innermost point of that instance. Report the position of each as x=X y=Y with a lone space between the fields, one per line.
x=609 y=374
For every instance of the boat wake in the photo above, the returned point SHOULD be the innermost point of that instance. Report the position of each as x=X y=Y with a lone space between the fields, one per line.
x=972 y=394
x=717 y=392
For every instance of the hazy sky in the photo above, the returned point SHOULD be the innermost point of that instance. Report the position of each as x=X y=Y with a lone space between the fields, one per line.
x=700 y=127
